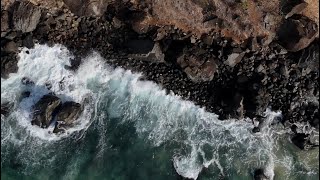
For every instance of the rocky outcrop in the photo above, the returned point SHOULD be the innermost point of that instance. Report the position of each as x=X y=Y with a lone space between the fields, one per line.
x=49 y=109
x=222 y=55
x=43 y=110
x=238 y=20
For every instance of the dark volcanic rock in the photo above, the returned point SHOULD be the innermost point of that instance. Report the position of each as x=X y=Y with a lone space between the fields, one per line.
x=43 y=110
x=26 y=16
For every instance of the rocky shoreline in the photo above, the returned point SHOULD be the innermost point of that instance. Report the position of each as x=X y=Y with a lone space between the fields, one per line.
x=231 y=79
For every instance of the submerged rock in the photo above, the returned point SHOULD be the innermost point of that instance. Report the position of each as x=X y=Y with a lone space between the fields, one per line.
x=259 y=175
x=43 y=110
x=302 y=140
x=6 y=108
x=27 y=81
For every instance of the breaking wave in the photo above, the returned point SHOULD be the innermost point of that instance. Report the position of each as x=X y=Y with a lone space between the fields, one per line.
x=124 y=112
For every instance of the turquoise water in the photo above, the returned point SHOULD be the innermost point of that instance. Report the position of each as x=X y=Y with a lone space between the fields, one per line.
x=133 y=129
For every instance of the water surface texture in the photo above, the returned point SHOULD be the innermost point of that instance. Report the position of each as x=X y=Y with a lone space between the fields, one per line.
x=133 y=129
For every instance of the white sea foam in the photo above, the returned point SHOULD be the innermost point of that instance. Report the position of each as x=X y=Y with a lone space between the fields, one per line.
x=203 y=139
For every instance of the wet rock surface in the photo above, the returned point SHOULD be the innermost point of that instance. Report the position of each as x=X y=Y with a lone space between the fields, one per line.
x=50 y=109
x=6 y=108
x=67 y=115
x=43 y=110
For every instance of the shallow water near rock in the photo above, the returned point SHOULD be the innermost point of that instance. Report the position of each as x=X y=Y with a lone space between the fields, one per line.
x=133 y=129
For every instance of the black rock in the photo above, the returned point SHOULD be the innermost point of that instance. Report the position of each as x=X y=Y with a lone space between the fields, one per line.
x=259 y=175
x=256 y=129
x=27 y=81
x=43 y=110
x=69 y=112
x=6 y=108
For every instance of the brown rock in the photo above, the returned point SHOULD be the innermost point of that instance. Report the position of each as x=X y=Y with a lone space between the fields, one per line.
x=26 y=16
x=297 y=34
x=11 y=46
x=227 y=18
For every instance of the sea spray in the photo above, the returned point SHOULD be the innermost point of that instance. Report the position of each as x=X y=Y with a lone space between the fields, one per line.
x=132 y=116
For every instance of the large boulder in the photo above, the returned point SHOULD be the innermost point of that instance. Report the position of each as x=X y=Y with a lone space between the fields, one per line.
x=26 y=16
x=297 y=32
x=43 y=110
x=70 y=111
x=68 y=114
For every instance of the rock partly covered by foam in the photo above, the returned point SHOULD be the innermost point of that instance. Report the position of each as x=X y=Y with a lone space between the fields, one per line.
x=43 y=110
x=49 y=108
x=259 y=174
x=6 y=108
x=68 y=114
x=70 y=111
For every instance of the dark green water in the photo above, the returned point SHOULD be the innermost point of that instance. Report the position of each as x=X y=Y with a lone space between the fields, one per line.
x=133 y=130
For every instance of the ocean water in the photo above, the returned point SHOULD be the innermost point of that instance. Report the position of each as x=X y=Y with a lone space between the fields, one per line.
x=132 y=129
